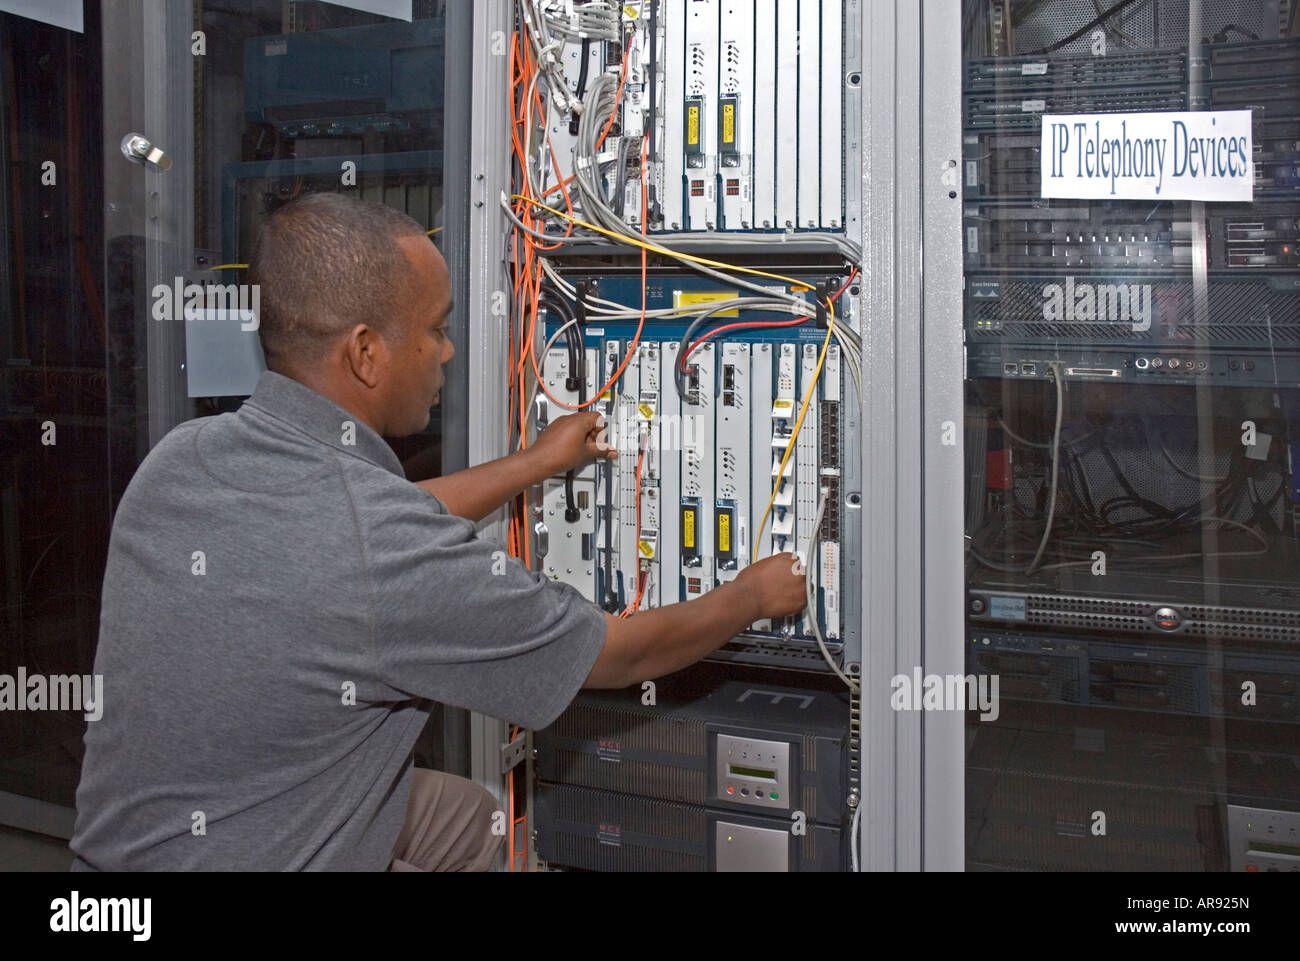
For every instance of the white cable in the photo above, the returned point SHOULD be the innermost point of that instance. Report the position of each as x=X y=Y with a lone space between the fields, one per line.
x=852 y=360
x=1157 y=558
x=614 y=310
x=1055 y=368
x=853 y=834
x=1187 y=473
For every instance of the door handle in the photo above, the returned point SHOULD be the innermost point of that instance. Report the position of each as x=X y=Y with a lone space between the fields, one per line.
x=137 y=149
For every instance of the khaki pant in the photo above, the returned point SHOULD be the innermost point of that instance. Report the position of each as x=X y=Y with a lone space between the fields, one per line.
x=448 y=825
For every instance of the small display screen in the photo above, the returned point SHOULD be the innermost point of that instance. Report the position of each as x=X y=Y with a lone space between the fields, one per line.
x=1263 y=847
x=1007 y=608
x=751 y=772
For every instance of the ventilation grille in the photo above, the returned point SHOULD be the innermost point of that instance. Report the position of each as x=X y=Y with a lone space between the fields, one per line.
x=1244 y=314
x=1242 y=615
x=1004 y=75
x=1025 y=108
x=1244 y=632
x=1090 y=622
x=634 y=729
x=1087 y=605
x=644 y=777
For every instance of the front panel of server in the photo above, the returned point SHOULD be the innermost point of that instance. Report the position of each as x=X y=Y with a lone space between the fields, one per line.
x=1133 y=440
x=683 y=260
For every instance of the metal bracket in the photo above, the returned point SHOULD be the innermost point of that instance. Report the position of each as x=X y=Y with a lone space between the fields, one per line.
x=512 y=752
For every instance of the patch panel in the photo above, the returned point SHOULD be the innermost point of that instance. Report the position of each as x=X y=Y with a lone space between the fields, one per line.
x=710 y=462
x=748 y=128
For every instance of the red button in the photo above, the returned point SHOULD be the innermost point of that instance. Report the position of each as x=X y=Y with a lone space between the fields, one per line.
x=732 y=790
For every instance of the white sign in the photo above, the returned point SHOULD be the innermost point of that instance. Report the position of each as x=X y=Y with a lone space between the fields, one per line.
x=397 y=9
x=1203 y=155
x=61 y=13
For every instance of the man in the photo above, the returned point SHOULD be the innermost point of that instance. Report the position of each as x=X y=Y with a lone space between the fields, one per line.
x=280 y=604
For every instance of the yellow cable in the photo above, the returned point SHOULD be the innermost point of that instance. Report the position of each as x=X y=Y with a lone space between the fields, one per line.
x=794 y=437
x=664 y=250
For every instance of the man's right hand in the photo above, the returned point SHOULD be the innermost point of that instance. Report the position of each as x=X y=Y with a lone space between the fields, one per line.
x=776 y=588
x=664 y=639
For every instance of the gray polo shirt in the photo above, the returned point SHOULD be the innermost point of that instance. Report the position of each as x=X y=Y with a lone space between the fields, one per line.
x=279 y=607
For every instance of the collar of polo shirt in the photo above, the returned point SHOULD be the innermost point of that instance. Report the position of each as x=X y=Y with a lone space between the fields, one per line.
x=321 y=419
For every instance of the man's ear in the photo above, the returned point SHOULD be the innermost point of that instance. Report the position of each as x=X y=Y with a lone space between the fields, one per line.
x=366 y=353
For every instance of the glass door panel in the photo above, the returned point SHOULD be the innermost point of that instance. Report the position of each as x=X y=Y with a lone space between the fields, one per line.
x=1133 y=433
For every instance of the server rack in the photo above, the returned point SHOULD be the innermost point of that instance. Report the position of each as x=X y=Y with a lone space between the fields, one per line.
x=1133 y=385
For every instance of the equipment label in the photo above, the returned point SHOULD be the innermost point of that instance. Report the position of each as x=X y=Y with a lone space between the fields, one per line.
x=1202 y=155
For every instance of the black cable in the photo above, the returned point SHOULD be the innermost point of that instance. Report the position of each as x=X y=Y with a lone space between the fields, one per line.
x=620 y=177
x=576 y=380
x=1101 y=18
x=585 y=56
x=1085 y=530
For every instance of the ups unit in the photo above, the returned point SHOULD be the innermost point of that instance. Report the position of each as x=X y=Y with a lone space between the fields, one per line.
x=712 y=775
x=603 y=831
x=742 y=746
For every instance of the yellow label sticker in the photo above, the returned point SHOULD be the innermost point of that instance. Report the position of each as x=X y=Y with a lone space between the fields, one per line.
x=647 y=549
x=728 y=124
x=724 y=533
x=688 y=529
x=631 y=12
x=647 y=411
x=693 y=126
x=783 y=404
x=694 y=298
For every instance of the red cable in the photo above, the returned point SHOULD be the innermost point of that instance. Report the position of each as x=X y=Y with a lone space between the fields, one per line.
x=761 y=323
x=746 y=324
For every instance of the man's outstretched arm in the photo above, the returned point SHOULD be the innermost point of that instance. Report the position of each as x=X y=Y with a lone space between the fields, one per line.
x=666 y=639
x=476 y=492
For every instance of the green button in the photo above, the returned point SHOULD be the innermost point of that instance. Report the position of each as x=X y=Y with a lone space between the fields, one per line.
x=774 y=795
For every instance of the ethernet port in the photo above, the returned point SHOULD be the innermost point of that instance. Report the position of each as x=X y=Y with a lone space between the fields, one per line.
x=1010 y=369
x=1029 y=370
